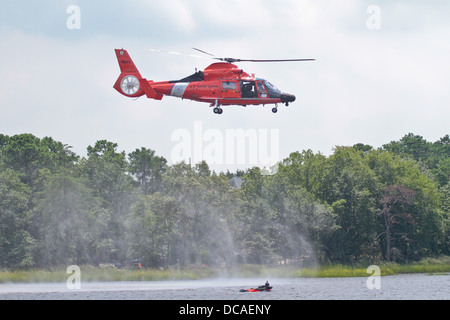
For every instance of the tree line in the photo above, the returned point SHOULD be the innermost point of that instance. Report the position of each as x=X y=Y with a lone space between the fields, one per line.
x=359 y=203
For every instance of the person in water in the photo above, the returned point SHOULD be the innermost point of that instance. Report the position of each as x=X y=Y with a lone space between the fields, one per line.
x=265 y=286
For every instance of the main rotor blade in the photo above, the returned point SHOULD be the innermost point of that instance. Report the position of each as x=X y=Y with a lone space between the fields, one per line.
x=232 y=60
x=276 y=60
x=209 y=54
x=176 y=53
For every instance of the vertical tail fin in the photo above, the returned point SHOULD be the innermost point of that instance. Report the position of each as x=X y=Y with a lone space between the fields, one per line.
x=126 y=64
x=129 y=79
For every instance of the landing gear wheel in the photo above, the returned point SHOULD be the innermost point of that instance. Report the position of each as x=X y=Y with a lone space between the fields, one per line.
x=217 y=110
x=274 y=110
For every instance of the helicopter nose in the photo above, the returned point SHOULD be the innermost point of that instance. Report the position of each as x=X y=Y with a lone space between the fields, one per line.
x=286 y=97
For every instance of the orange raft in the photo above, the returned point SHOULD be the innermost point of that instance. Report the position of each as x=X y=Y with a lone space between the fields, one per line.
x=259 y=289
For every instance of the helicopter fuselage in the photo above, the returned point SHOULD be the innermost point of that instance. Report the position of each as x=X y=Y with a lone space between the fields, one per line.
x=221 y=83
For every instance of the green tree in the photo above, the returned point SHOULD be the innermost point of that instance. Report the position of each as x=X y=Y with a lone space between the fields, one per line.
x=426 y=234
x=434 y=156
x=207 y=220
x=106 y=150
x=147 y=168
x=257 y=235
x=152 y=230
x=16 y=244
x=27 y=154
x=395 y=214
x=253 y=183
x=350 y=188
x=445 y=191
x=306 y=170
x=305 y=226
x=104 y=173
x=357 y=203
x=439 y=160
x=65 y=222
x=57 y=155
x=202 y=169
x=23 y=153
x=410 y=145
x=3 y=141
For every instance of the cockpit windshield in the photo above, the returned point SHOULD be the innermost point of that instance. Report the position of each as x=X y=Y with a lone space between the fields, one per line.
x=272 y=90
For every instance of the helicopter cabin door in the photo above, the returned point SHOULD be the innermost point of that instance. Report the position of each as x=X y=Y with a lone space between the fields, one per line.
x=262 y=90
x=248 y=89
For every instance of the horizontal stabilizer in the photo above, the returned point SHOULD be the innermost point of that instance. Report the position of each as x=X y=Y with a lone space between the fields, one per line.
x=149 y=91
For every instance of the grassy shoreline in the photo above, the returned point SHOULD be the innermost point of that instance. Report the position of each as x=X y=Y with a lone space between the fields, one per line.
x=91 y=273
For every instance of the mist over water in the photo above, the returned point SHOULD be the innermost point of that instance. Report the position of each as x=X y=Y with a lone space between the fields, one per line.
x=398 y=287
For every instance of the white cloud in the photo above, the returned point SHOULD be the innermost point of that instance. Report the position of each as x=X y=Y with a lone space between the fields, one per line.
x=366 y=86
x=177 y=12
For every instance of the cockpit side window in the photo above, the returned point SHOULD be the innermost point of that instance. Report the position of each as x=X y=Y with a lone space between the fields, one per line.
x=272 y=90
x=228 y=85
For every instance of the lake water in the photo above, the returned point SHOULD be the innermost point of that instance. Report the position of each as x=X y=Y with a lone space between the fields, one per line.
x=397 y=287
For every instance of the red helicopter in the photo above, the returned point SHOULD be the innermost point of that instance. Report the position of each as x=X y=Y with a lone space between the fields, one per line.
x=220 y=84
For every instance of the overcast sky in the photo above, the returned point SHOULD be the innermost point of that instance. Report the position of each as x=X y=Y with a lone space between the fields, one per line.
x=382 y=70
